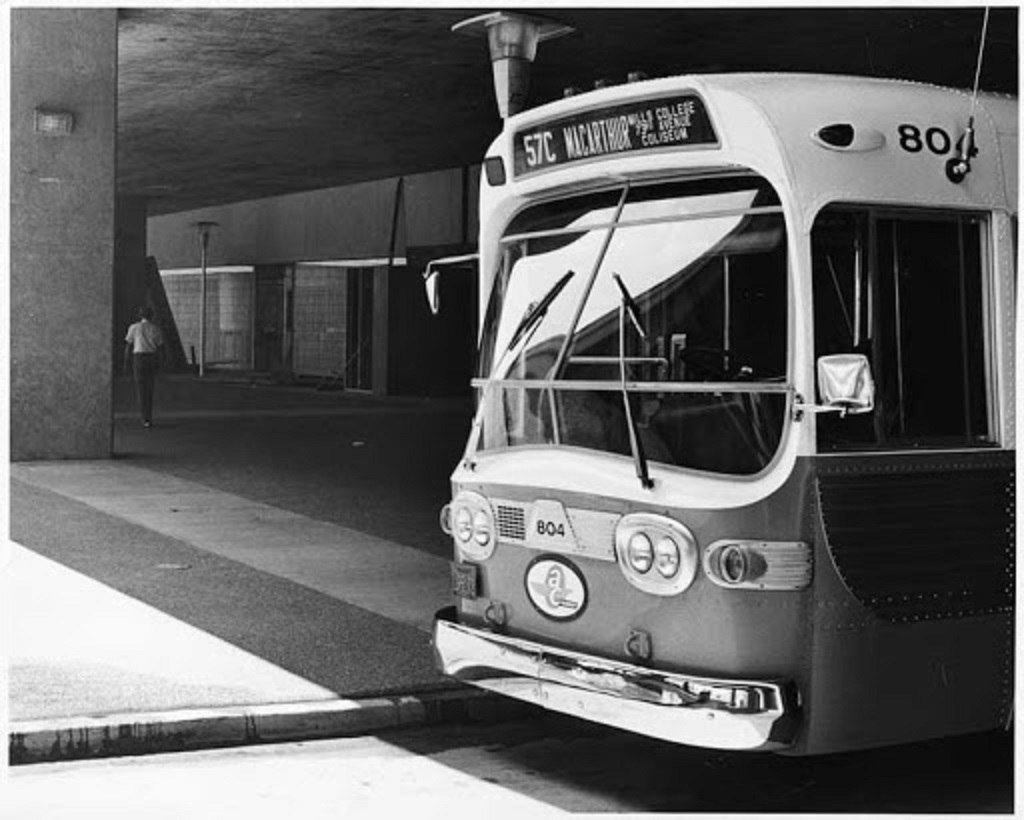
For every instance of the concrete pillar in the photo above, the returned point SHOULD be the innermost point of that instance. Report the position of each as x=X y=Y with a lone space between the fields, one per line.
x=62 y=233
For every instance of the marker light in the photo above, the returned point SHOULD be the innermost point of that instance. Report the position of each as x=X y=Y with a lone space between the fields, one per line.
x=733 y=565
x=844 y=136
x=759 y=565
x=494 y=170
x=839 y=135
x=640 y=552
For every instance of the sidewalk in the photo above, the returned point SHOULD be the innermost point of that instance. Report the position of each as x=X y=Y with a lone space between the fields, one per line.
x=94 y=673
x=179 y=615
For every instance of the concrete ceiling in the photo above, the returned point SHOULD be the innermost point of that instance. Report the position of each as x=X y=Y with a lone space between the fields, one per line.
x=226 y=104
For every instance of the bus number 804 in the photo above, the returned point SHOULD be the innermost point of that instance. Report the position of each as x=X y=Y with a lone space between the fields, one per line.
x=550 y=529
x=937 y=140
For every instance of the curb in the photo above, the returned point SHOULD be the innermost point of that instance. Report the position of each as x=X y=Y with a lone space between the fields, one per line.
x=141 y=733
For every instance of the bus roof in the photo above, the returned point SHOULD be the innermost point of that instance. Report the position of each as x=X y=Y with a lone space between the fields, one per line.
x=904 y=135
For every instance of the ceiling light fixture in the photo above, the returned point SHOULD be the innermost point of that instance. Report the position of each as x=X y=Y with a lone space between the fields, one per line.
x=51 y=123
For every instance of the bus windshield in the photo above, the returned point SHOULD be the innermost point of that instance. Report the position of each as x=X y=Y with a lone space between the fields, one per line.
x=655 y=311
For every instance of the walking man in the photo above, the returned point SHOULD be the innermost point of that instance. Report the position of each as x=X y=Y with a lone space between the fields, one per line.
x=143 y=345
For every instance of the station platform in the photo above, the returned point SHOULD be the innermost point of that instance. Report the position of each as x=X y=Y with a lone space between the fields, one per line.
x=263 y=564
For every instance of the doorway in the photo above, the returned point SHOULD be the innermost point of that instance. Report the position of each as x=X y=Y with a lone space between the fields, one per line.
x=359 y=324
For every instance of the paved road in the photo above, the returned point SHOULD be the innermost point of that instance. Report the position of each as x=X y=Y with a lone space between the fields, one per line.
x=80 y=649
x=307 y=630
x=380 y=467
x=345 y=467
x=530 y=769
x=296 y=525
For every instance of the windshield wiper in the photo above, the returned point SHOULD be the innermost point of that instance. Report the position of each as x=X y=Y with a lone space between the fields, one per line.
x=629 y=308
x=632 y=311
x=535 y=312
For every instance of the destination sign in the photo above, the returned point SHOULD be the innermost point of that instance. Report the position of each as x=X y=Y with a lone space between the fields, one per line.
x=668 y=122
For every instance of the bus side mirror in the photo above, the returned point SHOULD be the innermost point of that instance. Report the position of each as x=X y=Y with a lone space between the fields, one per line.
x=432 y=276
x=845 y=383
x=431 y=282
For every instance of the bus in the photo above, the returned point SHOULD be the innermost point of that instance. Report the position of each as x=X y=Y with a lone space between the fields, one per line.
x=741 y=470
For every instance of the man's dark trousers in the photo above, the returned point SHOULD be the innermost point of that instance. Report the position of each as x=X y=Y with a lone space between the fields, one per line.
x=144 y=368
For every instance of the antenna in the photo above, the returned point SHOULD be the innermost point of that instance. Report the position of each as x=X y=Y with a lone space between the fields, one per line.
x=958 y=167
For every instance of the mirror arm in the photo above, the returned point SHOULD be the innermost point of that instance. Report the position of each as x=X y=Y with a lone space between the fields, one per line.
x=800 y=407
x=433 y=270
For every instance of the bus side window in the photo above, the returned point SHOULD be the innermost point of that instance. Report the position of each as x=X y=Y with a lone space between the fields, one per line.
x=905 y=289
x=842 y=314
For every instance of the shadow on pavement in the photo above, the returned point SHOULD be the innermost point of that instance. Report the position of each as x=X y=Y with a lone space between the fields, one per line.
x=970 y=774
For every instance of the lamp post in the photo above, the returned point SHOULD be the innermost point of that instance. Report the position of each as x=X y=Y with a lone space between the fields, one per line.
x=512 y=40
x=204 y=229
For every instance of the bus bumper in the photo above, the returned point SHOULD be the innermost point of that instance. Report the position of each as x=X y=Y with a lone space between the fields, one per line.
x=692 y=710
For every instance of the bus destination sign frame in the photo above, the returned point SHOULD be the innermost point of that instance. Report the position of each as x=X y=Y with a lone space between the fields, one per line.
x=676 y=121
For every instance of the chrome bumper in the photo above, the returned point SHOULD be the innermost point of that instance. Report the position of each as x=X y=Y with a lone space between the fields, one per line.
x=713 y=713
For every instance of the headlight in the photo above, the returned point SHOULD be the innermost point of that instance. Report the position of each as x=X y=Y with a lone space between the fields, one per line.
x=463 y=524
x=640 y=552
x=667 y=557
x=472 y=524
x=646 y=540
x=481 y=528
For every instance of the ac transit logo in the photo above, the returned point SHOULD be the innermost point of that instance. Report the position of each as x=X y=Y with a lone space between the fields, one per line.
x=556 y=588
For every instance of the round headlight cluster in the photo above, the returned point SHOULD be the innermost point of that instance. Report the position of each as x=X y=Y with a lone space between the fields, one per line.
x=663 y=555
x=472 y=525
x=656 y=553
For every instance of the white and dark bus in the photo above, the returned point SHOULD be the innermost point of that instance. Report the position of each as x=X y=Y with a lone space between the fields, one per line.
x=741 y=473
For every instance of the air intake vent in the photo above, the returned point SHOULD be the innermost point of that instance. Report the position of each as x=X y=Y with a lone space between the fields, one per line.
x=511 y=522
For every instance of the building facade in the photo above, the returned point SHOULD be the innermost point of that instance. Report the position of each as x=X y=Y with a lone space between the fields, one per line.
x=326 y=285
